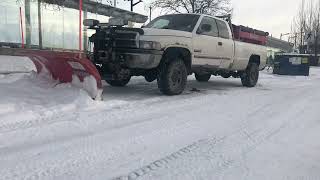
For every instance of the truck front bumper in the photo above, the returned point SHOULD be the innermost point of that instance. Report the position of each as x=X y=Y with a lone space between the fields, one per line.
x=139 y=58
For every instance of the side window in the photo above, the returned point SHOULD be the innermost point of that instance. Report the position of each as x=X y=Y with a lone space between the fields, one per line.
x=208 y=21
x=223 y=29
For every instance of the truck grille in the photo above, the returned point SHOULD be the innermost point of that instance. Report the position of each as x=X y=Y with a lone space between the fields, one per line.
x=106 y=39
x=126 y=39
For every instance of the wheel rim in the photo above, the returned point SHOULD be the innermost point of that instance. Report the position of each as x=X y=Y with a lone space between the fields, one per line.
x=176 y=77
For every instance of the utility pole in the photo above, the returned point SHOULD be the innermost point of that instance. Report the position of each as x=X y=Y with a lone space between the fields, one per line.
x=150 y=8
x=27 y=22
x=40 y=24
x=132 y=4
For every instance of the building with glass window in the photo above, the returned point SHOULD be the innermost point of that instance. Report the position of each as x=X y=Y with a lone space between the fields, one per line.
x=59 y=24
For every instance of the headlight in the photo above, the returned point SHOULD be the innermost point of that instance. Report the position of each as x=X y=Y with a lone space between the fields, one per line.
x=150 y=45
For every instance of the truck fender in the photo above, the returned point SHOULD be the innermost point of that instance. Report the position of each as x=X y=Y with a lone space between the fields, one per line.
x=183 y=52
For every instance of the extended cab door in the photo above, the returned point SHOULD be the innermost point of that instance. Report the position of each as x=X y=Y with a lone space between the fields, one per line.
x=205 y=42
x=225 y=49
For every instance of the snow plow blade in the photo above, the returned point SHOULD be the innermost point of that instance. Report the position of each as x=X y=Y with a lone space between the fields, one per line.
x=64 y=66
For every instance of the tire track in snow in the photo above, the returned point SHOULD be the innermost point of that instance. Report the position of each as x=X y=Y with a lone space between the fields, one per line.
x=165 y=161
x=161 y=163
x=43 y=116
x=68 y=165
x=40 y=118
x=35 y=171
x=217 y=151
x=240 y=138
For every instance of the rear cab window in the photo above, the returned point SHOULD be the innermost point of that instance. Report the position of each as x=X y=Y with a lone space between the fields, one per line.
x=223 y=29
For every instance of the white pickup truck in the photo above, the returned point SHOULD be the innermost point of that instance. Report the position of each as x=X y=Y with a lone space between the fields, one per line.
x=170 y=48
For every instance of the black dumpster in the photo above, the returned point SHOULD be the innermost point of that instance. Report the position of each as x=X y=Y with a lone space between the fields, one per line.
x=314 y=61
x=291 y=64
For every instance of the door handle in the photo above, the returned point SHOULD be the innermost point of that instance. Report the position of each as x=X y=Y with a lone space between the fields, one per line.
x=198 y=50
x=220 y=43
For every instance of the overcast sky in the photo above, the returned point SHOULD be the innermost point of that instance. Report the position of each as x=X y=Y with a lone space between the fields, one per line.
x=274 y=16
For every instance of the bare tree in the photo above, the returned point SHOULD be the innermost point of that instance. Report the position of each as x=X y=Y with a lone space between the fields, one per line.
x=299 y=26
x=306 y=26
x=315 y=28
x=212 y=7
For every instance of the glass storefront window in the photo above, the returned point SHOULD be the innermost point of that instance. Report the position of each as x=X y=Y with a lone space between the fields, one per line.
x=60 y=26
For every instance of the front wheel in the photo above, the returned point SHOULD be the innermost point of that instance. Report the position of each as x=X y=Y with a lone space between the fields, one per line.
x=119 y=82
x=172 y=78
x=250 y=76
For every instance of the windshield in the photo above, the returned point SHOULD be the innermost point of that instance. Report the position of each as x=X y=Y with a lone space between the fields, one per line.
x=181 y=22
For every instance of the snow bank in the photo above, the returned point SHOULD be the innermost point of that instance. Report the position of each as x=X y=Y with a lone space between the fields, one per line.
x=89 y=84
x=28 y=98
x=9 y=64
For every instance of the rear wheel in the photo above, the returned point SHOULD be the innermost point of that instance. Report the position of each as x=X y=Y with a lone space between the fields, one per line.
x=172 y=78
x=250 y=76
x=119 y=82
x=202 y=77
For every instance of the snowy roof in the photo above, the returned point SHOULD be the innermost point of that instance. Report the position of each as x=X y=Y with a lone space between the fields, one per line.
x=279 y=44
x=102 y=9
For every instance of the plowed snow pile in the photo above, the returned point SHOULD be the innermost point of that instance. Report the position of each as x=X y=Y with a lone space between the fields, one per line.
x=220 y=131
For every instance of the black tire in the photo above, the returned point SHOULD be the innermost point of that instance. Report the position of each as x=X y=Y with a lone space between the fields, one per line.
x=250 y=76
x=119 y=83
x=172 y=78
x=202 y=77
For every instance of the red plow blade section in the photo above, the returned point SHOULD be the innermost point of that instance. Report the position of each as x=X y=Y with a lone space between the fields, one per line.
x=66 y=67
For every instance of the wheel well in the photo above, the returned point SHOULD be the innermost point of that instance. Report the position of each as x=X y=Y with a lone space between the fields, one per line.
x=254 y=59
x=183 y=53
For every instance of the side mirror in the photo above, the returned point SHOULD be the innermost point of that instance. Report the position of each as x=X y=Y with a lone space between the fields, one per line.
x=205 y=28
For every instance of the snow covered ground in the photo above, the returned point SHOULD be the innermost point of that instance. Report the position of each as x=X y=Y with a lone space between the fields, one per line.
x=220 y=131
